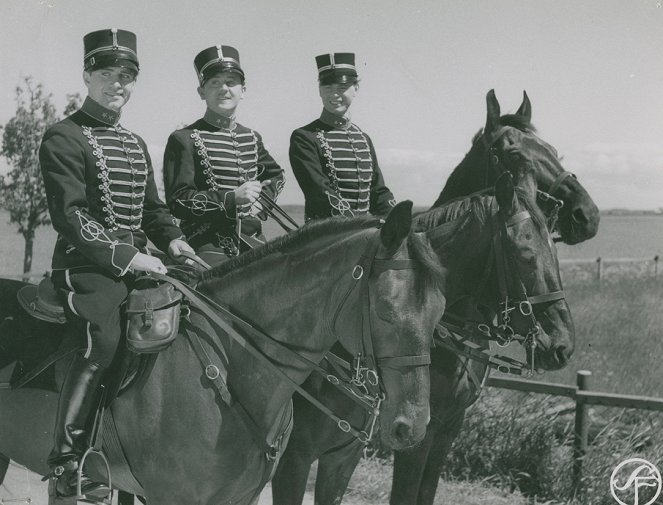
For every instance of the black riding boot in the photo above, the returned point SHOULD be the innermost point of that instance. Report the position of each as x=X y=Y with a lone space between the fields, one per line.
x=79 y=398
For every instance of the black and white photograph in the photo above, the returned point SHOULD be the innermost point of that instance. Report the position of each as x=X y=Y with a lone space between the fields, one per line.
x=331 y=252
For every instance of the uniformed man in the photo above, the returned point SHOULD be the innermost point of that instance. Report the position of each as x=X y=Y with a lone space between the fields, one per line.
x=215 y=169
x=104 y=205
x=333 y=160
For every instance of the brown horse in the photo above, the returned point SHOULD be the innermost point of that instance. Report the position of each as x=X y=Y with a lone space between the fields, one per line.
x=183 y=443
x=558 y=190
x=465 y=251
x=454 y=386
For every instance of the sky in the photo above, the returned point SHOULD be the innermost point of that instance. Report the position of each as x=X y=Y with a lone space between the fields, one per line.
x=592 y=68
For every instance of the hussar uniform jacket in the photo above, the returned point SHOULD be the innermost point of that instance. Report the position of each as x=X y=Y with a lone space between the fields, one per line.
x=101 y=193
x=336 y=167
x=203 y=164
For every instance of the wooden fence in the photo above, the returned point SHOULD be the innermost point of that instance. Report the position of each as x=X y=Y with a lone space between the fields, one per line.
x=583 y=397
x=600 y=263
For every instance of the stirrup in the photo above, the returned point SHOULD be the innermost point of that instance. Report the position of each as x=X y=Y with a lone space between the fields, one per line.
x=79 y=473
x=54 y=499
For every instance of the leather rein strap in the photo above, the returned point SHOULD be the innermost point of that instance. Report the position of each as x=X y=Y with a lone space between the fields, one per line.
x=224 y=319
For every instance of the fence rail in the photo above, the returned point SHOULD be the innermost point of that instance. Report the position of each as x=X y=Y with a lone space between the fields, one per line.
x=601 y=262
x=583 y=397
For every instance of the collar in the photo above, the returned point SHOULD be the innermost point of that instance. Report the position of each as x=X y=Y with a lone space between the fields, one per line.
x=219 y=121
x=100 y=113
x=342 y=122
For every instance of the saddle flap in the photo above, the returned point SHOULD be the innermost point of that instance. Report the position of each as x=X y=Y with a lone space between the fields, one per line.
x=42 y=301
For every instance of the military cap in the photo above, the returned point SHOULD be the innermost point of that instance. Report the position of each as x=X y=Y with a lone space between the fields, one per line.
x=336 y=68
x=110 y=48
x=215 y=59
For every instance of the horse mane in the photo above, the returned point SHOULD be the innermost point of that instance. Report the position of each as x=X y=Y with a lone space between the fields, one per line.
x=454 y=210
x=419 y=247
x=478 y=203
x=300 y=237
x=517 y=121
x=514 y=120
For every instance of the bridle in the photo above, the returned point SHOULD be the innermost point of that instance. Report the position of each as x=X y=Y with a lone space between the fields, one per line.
x=517 y=299
x=557 y=203
x=361 y=377
x=359 y=380
x=546 y=197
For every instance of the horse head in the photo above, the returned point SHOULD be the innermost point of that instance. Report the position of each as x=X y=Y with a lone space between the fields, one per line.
x=570 y=209
x=399 y=312
x=533 y=304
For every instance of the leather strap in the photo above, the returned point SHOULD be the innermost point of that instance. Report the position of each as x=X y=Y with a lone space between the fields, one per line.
x=196 y=300
x=558 y=182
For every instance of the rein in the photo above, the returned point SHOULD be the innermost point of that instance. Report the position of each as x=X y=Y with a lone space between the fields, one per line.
x=363 y=385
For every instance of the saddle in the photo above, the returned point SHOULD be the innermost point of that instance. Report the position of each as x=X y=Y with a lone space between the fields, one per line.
x=150 y=324
x=42 y=302
x=152 y=312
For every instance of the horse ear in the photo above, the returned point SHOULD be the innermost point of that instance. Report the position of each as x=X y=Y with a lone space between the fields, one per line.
x=397 y=225
x=493 y=116
x=504 y=192
x=525 y=109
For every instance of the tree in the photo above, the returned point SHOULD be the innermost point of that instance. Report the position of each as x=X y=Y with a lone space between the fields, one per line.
x=22 y=190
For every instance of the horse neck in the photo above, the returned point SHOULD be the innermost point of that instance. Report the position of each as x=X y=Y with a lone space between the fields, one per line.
x=466 y=255
x=472 y=174
x=297 y=296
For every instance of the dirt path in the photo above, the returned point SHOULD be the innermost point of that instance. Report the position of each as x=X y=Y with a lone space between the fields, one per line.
x=22 y=487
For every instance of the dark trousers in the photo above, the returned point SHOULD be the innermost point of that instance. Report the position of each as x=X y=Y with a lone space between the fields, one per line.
x=93 y=300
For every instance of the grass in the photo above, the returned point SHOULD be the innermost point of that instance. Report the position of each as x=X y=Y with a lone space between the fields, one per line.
x=524 y=442
x=517 y=448
x=619 y=326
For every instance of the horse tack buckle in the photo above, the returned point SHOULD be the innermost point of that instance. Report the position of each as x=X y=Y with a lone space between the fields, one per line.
x=344 y=425
x=357 y=272
x=212 y=372
x=372 y=377
x=272 y=453
x=525 y=308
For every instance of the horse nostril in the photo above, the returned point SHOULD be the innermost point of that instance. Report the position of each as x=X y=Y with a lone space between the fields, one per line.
x=401 y=430
x=562 y=355
x=578 y=215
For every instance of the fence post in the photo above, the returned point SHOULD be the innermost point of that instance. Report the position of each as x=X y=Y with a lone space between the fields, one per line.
x=599 y=269
x=583 y=379
x=656 y=266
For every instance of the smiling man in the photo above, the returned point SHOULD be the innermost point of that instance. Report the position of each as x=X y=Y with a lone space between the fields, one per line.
x=215 y=169
x=103 y=203
x=333 y=160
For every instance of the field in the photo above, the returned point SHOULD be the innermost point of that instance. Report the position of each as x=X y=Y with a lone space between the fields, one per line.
x=514 y=444
x=637 y=236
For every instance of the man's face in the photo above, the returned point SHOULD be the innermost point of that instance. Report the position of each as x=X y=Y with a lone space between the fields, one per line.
x=110 y=87
x=337 y=98
x=223 y=92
